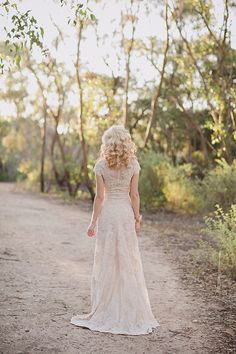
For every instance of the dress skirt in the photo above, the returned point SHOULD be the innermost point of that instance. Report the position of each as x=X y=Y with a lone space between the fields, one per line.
x=119 y=297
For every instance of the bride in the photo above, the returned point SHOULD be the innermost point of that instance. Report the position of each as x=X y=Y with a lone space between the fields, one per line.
x=119 y=297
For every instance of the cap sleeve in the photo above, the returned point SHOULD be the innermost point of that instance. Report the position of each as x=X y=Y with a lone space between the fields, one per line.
x=98 y=168
x=136 y=166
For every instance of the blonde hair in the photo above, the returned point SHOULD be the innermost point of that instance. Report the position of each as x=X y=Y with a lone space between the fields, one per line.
x=117 y=146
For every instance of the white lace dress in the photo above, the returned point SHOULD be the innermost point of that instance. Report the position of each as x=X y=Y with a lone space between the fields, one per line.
x=119 y=296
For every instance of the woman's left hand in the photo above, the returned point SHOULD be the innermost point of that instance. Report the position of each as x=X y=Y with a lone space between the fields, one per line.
x=137 y=226
x=91 y=229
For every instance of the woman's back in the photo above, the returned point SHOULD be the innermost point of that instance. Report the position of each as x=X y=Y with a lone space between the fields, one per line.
x=116 y=181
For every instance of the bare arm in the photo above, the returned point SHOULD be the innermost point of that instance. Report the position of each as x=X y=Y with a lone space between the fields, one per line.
x=134 y=195
x=97 y=204
x=99 y=198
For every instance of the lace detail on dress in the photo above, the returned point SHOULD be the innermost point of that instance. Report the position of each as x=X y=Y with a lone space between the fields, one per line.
x=117 y=181
x=100 y=164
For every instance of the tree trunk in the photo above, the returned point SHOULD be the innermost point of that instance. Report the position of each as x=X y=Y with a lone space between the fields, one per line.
x=159 y=88
x=43 y=153
x=81 y=115
x=127 y=66
x=56 y=174
x=56 y=117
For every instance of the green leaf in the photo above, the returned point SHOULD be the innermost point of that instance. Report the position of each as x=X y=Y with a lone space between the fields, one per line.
x=41 y=31
x=18 y=60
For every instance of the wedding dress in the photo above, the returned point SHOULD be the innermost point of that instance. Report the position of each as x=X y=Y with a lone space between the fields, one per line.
x=119 y=296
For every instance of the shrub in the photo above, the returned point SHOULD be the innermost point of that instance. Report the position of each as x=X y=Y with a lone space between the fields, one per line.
x=163 y=184
x=221 y=245
x=29 y=174
x=181 y=190
x=153 y=167
x=177 y=188
x=219 y=186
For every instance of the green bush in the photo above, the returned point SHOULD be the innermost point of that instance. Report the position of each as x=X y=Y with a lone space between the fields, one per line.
x=181 y=190
x=221 y=245
x=177 y=188
x=219 y=186
x=164 y=185
x=153 y=167
x=29 y=174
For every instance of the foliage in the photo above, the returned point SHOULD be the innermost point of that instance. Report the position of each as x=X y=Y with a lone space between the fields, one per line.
x=153 y=167
x=175 y=187
x=181 y=190
x=22 y=32
x=25 y=32
x=164 y=185
x=58 y=115
x=221 y=245
x=80 y=11
x=16 y=137
x=219 y=186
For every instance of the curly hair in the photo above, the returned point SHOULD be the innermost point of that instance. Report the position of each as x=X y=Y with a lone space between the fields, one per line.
x=117 y=146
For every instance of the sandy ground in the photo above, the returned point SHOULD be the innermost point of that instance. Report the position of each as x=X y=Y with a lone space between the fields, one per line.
x=46 y=263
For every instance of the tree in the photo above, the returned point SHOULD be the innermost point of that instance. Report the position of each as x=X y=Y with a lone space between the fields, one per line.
x=24 y=32
x=213 y=60
x=158 y=89
x=130 y=17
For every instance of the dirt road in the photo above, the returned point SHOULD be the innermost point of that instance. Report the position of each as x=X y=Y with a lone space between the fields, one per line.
x=46 y=263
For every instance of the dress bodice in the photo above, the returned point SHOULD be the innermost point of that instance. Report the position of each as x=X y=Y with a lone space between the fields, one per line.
x=117 y=181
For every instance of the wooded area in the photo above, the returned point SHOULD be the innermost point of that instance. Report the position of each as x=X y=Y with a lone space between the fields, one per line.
x=167 y=71
x=182 y=118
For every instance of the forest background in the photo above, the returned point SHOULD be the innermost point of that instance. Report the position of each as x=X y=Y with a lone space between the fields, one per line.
x=164 y=69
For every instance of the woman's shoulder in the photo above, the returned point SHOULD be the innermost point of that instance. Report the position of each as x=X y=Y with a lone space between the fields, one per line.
x=135 y=164
x=99 y=166
x=100 y=160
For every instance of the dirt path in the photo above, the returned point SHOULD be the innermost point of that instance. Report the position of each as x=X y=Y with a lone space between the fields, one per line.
x=45 y=267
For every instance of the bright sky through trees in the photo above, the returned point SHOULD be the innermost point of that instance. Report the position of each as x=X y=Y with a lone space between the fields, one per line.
x=49 y=13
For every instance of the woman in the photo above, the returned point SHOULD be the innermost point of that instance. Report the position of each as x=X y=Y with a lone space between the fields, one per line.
x=119 y=297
